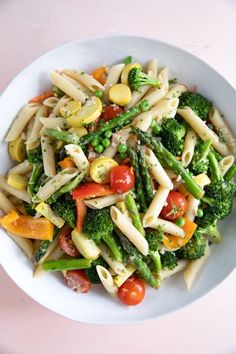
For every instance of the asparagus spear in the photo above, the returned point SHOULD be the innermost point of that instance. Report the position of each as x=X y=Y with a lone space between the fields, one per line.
x=66 y=264
x=138 y=180
x=230 y=173
x=146 y=178
x=136 y=260
x=118 y=122
x=134 y=214
x=67 y=188
x=214 y=168
x=171 y=161
x=36 y=172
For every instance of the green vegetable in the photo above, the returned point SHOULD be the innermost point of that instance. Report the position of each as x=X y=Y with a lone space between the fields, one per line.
x=154 y=239
x=199 y=213
x=95 y=142
x=108 y=134
x=29 y=209
x=134 y=214
x=106 y=142
x=122 y=148
x=135 y=258
x=138 y=180
x=123 y=156
x=66 y=264
x=169 y=260
x=156 y=129
x=137 y=78
x=34 y=177
x=58 y=91
x=91 y=272
x=66 y=210
x=98 y=226
x=42 y=249
x=199 y=104
x=230 y=173
x=98 y=93
x=172 y=135
x=146 y=178
x=171 y=161
x=194 y=249
x=35 y=156
x=214 y=168
x=200 y=160
x=128 y=60
x=99 y=148
x=180 y=222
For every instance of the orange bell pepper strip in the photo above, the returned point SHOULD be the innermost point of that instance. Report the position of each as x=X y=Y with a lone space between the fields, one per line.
x=99 y=74
x=66 y=163
x=27 y=226
x=91 y=190
x=41 y=97
x=81 y=214
x=174 y=242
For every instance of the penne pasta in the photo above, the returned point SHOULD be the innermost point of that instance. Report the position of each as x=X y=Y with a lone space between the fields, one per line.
x=22 y=169
x=121 y=278
x=33 y=140
x=78 y=156
x=54 y=122
x=18 y=193
x=107 y=280
x=190 y=142
x=203 y=131
x=51 y=102
x=143 y=121
x=112 y=78
x=49 y=164
x=175 y=91
x=156 y=206
x=25 y=244
x=85 y=79
x=117 y=267
x=103 y=202
x=164 y=108
x=168 y=227
x=53 y=254
x=156 y=94
x=226 y=163
x=67 y=86
x=129 y=230
x=152 y=68
x=192 y=208
x=5 y=204
x=56 y=110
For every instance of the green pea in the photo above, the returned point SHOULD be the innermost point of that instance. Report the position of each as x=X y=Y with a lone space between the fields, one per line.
x=98 y=93
x=156 y=129
x=94 y=142
x=106 y=142
x=99 y=148
x=108 y=134
x=180 y=222
x=122 y=148
x=200 y=213
x=123 y=156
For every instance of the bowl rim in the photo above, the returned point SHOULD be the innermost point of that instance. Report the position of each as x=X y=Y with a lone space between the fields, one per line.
x=87 y=39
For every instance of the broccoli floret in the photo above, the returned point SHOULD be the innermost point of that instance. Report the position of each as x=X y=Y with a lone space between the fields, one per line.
x=92 y=272
x=199 y=104
x=154 y=239
x=35 y=155
x=97 y=223
x=210 y=231
x=194 y=249
x=66 y=210
x=200 y=161
x=172 y=135
x=137 y=78
x=169 y=260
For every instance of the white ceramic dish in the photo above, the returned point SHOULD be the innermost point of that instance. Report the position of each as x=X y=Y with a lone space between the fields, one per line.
x=96 y=307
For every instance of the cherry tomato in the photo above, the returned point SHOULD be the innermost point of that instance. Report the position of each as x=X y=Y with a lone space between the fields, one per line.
x=176 y=206
x=77 y=280
x=111 y=112
x=132 y=291
x=66 y=243
x=122 y=178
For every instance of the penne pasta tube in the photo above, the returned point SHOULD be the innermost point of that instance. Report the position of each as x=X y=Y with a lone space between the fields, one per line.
x=49 y=164
x=25 y=244
x=175 y=91
x=129 y=230
x=54 y=184
x=54 y=254
x=56 y=110
x=85 y=79
x=51 y=102
x=156 y=169
x=220 y=125
x=117 y=267
x=156 y=206
x=152 y=68
x=203 y=131
x=54 y=122
x=5 y=204
x=192 y=209
x=190 y=142
x=112 y=78
x=33 y=140
x=21 y=169
x=165 y=108
x=166 y=273
x=193 y=269
x=143 y=121
x=21 y=120
x=168 y=227
x=18 y=193
x=107 y=280
x=121 y=278
x=103 y=202
x=78 y=156
x=46 y=211
x=226 y=163
x=67 y=86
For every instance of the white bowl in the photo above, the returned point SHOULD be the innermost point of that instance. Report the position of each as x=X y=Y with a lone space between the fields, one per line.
x=96 y=307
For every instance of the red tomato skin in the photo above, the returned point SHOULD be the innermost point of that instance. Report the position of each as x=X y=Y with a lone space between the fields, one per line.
x=122 y=178
x=66 y=242
x=111 y=112
x=77 y=280
x=179 y=201
x=132 y=292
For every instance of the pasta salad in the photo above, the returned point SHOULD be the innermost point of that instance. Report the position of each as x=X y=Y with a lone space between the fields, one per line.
x=121 y=178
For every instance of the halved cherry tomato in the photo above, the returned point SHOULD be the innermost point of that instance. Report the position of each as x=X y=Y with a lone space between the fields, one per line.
x=111 y=112
x=66 y=243
x=176 y=206
x=77 y=280
x=91 y=190
x=122 y=178
x=132 y=291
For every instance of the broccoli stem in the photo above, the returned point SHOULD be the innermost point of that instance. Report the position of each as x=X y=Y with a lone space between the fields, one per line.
x=138 y=180
x=214 y=168
x=136 y=260
x=156 y=258
x=66 y=264
x=171 y=161
x=230 y=173
x=36 y=172
x=134 y=213
x=111 y=242
x=67 y=188
x=146 y=178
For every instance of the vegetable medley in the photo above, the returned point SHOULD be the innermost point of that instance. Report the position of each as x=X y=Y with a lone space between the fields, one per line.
x=122 y=176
